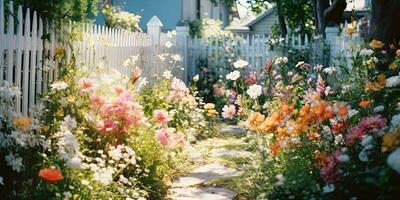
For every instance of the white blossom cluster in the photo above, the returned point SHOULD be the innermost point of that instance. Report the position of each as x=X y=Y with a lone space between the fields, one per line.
x=108 y=169
x=68 y=145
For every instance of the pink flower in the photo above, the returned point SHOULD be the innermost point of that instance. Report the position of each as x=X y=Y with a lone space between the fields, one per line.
x=107 y=127
x=87 y=86
x=228 y=112
x=96 y=101
x=119 y=90
x=180 y=138
x=251 y=79
x=329 y=172
x=163 y=136
x=368 y=125
x=161 y=116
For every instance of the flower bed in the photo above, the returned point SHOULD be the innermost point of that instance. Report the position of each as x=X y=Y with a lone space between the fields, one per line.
x=98 y=135
x=320 y=132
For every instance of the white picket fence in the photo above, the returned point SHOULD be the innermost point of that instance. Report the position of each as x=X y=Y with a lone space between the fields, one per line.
x=254 y=48
x=28 y=61
x=257 y=49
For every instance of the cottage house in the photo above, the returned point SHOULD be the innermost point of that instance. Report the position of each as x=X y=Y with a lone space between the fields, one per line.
x=172 y=11
x=263 y=23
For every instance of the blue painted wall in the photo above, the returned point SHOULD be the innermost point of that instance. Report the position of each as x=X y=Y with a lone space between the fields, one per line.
x=168 y=11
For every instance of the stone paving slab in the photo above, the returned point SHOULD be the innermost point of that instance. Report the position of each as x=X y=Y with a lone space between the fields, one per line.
x=205 y=173
x=202 y=193
x=234 y=129
x=225 y=153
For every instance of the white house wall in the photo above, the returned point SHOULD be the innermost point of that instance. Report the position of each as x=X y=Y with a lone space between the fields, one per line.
x=265 y=25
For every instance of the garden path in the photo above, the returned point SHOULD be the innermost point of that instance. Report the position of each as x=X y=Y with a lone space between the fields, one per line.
x=216 y=168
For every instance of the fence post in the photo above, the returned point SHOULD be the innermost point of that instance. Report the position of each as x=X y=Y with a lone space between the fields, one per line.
x=182 y=39
x=331 y=39
x=154 y=29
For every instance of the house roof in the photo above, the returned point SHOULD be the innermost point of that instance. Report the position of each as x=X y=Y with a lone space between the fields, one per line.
x=260 y=17
x=245 y=26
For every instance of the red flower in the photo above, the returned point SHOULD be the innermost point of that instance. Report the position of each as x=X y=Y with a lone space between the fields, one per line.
x=50 y=175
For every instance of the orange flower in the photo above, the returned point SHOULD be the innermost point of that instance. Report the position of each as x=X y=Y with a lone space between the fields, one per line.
x=275 y=149
x=135 y=75
x=376 y=44
x=22 y=123
x=255 y=120
x=50 y=175
x=365 y=103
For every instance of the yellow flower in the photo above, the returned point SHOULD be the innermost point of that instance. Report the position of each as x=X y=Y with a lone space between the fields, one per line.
x=350 y=30
x=376 y=44
x=375 y=86
x=22 y=123
x=398 y=53
x=393 y=66
x=59 y=52
x=390 y=141
x=209 y=106
x=60 y=113
x=212 y=113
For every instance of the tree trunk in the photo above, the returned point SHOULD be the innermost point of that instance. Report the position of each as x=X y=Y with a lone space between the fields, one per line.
x=281 y=19
x=326 y=12
x=384 y=21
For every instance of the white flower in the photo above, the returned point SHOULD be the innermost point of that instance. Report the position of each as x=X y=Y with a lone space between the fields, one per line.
x=240 y=64
x=196 y=78
x=393 y=81
x=254 y=91
x=123 y=179
x=115 y=153
x=366 y=52
x=85 y=182
x=14 y=162
x=395 y=122
x=393 y=160
x=74 y=163
x=366 y=140
x=328 y=188
x=280 y=179
x=104 y=175
x=329 y=70
x=281 y=60
x=233 y=75
x=176 y=57
x=339 y=139
x=353 y=112
x=299 y=64
x=130 y=62
x=67 y=195
x=59 y=85
x=379 y=109
x=363 y=156
x=228 y=112
x=1 y=180
x=167 y=74
x=168 y=44
x=69 y=123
